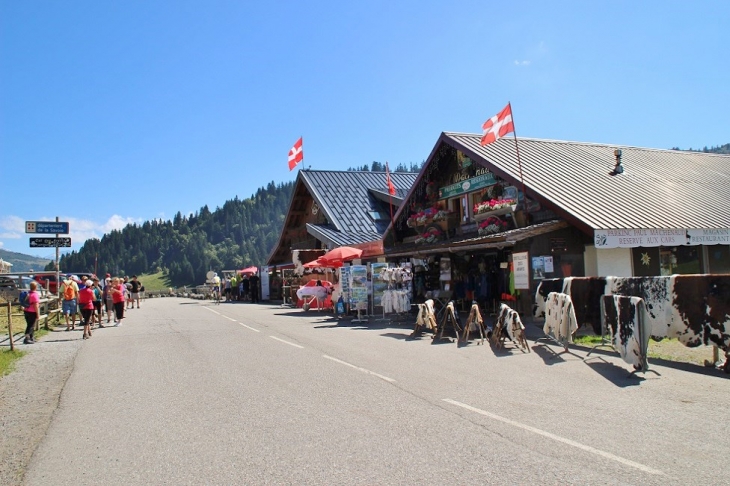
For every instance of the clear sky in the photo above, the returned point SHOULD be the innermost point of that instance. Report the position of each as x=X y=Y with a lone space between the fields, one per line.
x=119 y=112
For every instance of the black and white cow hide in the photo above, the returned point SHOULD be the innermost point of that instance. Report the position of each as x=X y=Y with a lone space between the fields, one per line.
x=543 y=289
x=509 y=321
x=655 y=293
x=701 y=310
x=625 y=320
x=560 y=319
x=585 y=293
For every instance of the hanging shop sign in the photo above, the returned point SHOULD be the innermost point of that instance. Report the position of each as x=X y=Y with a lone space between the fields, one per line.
x=462 y=187
x=634 y=238
x=521 y=270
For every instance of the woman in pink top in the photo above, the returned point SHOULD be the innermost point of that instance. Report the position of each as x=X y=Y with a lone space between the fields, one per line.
x=86 y=303
x=118 y=299
x=32 y=313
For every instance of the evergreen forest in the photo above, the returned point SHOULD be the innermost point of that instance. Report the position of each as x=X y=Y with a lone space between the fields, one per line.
x=240 y=234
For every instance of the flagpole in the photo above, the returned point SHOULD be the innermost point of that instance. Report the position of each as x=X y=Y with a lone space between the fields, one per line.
x=390 y=196
x=519 y=162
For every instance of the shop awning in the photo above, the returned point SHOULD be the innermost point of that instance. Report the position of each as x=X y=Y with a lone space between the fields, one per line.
x=499 y=240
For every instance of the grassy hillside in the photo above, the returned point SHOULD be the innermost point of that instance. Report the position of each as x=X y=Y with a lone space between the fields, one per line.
x=154 y=282
x=23 y=263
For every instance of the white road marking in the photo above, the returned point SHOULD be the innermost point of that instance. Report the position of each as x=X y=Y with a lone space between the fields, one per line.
x=287 y=342
x=214 y=312
x=390 y=380
x=569 y=442
x=249 y=327
x=229 y=318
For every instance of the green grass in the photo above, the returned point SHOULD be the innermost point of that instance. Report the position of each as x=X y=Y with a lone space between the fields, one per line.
x=587 y=339
x=8 y=359
x=154 y=282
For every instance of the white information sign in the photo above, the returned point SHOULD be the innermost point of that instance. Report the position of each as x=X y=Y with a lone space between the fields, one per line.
x=522 y=270
x=633 y=238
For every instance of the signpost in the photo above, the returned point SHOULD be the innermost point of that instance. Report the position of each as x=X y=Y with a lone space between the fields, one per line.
x=46 y=227
x=50 y=242
x=49 y=227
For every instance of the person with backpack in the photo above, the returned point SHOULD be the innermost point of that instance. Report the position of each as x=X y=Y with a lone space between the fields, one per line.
x=69 y=293
x=31 y=311
x=86 y=303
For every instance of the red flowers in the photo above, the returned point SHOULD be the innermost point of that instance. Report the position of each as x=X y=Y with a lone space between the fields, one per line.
x=493 y=205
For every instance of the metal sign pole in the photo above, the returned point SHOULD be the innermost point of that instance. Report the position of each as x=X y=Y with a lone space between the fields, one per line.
x=58 y=271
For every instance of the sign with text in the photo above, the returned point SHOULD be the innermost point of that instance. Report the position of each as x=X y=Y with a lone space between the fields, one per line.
x=47 y=227
x=468 y=185
x=634 y=238
x=521 y=270
x=50 y=242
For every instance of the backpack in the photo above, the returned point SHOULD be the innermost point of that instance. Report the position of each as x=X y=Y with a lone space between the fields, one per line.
x=23 y=298
x=68 y=292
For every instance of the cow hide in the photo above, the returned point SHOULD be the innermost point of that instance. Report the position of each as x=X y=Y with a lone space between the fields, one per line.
x=655 y=292
x=585 y=293
x=700 y=311
x=625 y=320
x=560 y=320
x=543 y=289
x=509 y=321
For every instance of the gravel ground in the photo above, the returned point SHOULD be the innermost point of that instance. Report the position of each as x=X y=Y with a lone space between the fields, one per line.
x=29 y=397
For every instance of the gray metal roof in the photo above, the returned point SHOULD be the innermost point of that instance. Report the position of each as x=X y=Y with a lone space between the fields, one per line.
x=345 y=198
x=658 y=188
x=334 y=238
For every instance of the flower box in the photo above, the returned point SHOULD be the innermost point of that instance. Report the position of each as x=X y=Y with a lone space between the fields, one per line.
x=496 y=212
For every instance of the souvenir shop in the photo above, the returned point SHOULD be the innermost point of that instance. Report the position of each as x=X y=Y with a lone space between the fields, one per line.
x=471 y=235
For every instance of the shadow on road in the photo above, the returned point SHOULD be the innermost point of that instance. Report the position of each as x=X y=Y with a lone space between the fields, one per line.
x=617 y=375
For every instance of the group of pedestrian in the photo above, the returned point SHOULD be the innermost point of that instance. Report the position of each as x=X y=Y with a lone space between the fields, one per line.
x=91 y=299
x=242 y=288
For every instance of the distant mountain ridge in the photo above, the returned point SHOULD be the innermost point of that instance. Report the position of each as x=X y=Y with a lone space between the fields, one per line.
x=22 y=262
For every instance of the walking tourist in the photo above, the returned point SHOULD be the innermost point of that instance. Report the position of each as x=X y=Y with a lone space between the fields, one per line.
x=69 y=293
x=118 y=292
x=86 y=302
x=31 y=312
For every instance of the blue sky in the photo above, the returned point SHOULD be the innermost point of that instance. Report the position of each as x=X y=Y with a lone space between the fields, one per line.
x=119 y=112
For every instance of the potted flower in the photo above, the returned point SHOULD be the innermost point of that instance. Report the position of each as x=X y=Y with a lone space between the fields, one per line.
x=492 y=225
x=493 y=205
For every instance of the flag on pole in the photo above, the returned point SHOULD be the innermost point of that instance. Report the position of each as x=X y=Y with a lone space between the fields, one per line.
x=296 y=154
x=498 y=126
x=391 y=187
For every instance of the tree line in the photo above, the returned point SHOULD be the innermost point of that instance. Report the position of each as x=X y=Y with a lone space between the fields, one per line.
x=237 y=235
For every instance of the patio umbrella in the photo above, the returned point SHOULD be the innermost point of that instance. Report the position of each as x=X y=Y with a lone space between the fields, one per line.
x=340 y=255
x=318 y=263
x=249 y=270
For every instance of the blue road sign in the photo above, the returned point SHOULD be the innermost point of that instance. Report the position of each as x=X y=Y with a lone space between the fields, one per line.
x=47 y=227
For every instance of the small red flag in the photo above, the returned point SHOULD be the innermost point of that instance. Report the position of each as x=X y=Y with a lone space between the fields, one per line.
x=296 y=154
x=498 y=126
x=391 y=187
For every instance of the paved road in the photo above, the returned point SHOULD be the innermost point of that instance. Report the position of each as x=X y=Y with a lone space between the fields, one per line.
x=187 y=392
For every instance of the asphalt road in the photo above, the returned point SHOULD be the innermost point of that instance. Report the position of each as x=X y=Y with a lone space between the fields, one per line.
x=188 y=392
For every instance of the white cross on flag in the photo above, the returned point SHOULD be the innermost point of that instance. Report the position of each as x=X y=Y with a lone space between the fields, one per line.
x=296 y=154
x=498 y=126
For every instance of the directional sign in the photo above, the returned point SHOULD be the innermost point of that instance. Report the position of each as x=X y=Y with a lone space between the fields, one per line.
x=50 y=242
x=46 y=227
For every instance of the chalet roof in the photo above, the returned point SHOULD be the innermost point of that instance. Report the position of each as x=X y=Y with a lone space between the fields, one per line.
x=665 y=189
x=346 y=199
x=657 y=189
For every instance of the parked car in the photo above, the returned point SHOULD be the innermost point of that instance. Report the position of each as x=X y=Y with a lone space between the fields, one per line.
x=12 y=285
x=48 y=280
